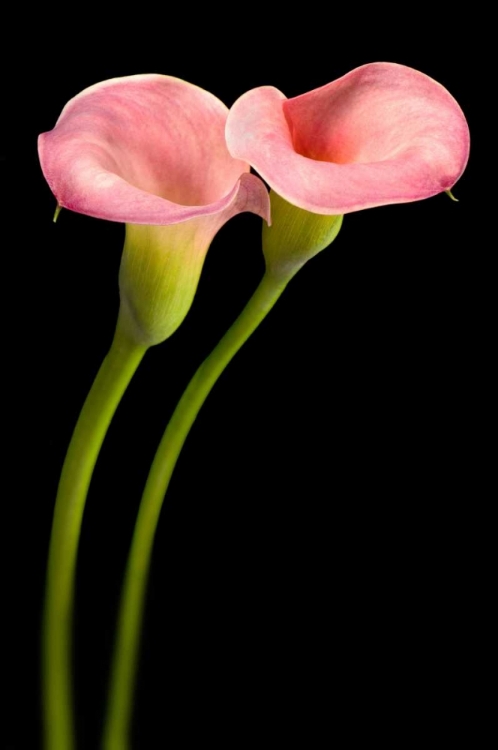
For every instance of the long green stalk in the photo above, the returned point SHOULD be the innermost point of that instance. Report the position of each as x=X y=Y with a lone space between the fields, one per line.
x=112 y=379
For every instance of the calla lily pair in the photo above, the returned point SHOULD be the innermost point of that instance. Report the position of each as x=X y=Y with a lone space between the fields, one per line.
x=170 y=161
x=154 y=150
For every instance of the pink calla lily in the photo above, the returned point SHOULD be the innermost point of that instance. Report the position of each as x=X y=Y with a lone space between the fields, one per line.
x=150 y=151
x=384 y=133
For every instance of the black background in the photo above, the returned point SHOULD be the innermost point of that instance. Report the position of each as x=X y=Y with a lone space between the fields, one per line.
x=312 y=560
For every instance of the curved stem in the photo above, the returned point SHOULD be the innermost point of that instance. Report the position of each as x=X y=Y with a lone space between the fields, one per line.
x=112 y=379
x=118 y=720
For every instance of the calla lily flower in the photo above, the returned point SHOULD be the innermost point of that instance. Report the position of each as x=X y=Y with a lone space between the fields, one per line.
x=383 y=133
x=150 y=151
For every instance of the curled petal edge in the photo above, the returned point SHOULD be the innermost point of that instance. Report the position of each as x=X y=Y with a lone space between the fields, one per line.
x=114 y=199
x=263 y=129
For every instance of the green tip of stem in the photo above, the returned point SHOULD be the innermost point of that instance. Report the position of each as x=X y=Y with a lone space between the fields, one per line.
x=57 y=212
x=450 y=195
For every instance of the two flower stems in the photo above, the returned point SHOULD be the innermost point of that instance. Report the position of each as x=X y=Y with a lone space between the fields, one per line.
x=103 y=399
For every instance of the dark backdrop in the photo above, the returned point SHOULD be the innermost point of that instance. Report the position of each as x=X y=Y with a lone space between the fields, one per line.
x=311 y=554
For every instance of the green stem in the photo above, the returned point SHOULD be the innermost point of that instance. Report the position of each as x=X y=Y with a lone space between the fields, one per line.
x=112 y=379
x=118 y=720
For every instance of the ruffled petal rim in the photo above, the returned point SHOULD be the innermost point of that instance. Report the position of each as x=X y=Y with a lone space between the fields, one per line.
x=147 y=149
x=381 y=134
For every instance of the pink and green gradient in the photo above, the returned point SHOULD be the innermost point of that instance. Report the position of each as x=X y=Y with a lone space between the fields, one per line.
x=150 y=151
x=383 y=133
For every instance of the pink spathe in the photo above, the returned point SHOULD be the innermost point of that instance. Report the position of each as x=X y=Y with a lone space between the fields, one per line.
x=150 y=151
x=384 y=133
x=147 y=149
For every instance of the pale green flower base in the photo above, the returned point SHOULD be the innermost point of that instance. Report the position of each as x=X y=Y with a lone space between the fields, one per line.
x=111 y=382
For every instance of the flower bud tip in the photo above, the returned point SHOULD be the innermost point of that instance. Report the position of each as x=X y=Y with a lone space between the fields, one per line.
x=450 y=195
